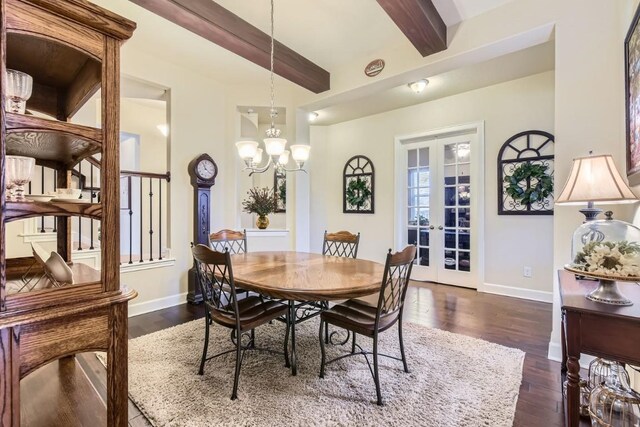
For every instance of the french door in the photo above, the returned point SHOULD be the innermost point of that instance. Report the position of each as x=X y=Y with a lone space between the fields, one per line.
x=438 y=211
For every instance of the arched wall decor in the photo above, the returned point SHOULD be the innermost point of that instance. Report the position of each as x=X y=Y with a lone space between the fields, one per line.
x=358 y=186
x=525 y=174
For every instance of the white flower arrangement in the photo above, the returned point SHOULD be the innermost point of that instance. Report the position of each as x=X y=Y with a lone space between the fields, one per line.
x=609 y=258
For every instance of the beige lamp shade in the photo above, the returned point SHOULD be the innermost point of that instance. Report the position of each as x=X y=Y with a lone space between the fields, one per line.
x=595 y=179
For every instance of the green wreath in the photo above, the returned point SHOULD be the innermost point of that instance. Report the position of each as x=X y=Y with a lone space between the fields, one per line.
x=358 y=193
x=529 y=183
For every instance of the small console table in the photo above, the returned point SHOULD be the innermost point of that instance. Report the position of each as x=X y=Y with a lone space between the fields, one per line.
x=601 y=330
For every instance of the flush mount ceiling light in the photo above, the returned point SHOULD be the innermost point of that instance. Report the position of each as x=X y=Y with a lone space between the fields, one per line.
x=274 y=146
x=313 y=116
x=419 y=85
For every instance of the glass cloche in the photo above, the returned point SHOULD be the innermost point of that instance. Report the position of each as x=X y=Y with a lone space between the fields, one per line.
x=608 y=250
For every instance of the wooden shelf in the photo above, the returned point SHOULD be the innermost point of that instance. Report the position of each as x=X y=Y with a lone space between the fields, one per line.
x=64 y=78
x=52 y=143
x=22 y=210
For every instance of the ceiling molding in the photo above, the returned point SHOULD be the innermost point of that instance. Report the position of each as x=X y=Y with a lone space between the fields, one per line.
x=211 y=21
x=420 y=22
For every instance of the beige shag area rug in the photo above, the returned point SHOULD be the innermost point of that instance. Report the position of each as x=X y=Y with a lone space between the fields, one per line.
x=454 y=381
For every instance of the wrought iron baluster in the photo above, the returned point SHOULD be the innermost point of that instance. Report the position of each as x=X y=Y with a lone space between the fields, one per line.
x=80 y=218
x=129 y=189
x=55 y=188
x=150 y=219
x=160 y=218
x=41 y=192
x=91 y=200
x=141 y=242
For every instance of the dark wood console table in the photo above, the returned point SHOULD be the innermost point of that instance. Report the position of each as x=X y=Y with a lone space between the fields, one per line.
x=597 y=329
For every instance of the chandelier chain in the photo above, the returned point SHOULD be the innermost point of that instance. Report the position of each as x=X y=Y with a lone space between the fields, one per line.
x=273 y=111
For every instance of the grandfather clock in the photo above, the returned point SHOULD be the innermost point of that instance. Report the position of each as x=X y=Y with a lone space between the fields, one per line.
x=203 y=171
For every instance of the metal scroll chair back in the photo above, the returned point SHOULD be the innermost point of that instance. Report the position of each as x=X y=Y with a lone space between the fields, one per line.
x=341 y=244
x=216 y=280
x=234 y=241
x=395 y=282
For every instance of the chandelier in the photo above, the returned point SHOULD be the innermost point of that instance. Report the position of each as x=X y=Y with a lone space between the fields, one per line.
x=275 y=146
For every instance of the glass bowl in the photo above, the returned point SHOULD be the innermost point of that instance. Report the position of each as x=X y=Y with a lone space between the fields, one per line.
x=18 y=92
x=19 y=172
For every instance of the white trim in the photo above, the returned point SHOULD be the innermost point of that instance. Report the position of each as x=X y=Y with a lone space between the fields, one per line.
x=147 y=265
x=38 y=237
x=511 y=291
x=555 y=354
x=267 y=233
x=136 y=309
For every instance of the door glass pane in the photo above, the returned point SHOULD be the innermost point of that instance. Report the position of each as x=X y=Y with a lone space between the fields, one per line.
x=423 y=217
x=424 y=157
x=424 y=256
x=412 y=216
x=412 y=236
x=450 y=239
x=424 y=237
x=464 y=261
x=412 y=194
x=418 y=202
x=457 y=200
x=412 y=158
x=450 y=175
x=464 y=240
x=450 y=260
x=450 y=217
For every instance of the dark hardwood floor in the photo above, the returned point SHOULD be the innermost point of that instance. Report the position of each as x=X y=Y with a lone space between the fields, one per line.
x=49 y=399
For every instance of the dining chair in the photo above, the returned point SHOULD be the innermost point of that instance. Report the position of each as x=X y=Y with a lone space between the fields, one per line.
x=235 y=241
x=358 y=317
x=341 y=244
x=223 y=308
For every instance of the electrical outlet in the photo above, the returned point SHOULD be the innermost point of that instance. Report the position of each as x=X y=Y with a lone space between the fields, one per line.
x=527 y=271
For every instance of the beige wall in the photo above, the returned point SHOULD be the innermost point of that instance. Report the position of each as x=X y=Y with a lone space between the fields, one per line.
x=506 y=109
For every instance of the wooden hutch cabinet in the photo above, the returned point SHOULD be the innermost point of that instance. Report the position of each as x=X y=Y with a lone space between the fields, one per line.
x=71 y=48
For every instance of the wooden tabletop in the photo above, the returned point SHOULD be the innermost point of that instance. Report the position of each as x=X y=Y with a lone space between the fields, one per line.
x=573 y=296
x=306 y=277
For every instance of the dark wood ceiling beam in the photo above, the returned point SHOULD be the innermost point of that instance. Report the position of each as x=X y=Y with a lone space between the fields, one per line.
x=208 y=19
x=420 y=21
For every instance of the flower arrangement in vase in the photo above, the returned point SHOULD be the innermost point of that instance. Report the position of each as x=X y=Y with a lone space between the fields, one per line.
x=261 y=201
x=615 y=259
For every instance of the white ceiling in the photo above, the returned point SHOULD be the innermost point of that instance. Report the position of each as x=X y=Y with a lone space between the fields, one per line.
x=516 y=65
x=454 y=11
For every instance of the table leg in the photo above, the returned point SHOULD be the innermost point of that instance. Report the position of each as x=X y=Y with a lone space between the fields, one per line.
x=572 y=334
x=292 y=322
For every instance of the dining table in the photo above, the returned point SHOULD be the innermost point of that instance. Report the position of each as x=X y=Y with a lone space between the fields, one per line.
x=305 y=281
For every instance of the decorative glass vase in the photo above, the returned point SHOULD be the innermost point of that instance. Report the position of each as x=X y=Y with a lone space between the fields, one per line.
x=18 y=91
x=584 y=396
x=262 y=222
x=615 y=403
x=19 y=171
x=606 y=250
x=604 y=371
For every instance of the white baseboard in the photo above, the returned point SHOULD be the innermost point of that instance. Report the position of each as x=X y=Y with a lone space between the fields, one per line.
x=555 y=354
x=136 y=309
x=511 y=291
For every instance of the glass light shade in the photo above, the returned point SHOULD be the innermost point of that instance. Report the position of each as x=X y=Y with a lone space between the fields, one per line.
x=257 y=159
x=19 y=172
x=284 y=158
x=300 y=153
x=419 y=86
x=275 y=146
x=595 y=179
x=19 y=86
x=247 y=150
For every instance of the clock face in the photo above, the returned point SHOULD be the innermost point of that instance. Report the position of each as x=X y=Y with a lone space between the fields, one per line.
x=206 y=169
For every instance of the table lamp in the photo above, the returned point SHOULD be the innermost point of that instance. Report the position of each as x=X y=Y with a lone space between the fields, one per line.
x=596 y=179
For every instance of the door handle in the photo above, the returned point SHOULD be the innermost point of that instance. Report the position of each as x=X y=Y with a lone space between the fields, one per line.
x=440 y=227
x=431 y=227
